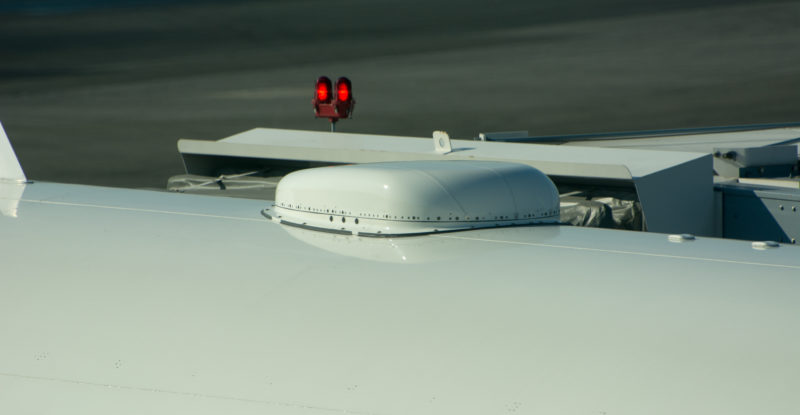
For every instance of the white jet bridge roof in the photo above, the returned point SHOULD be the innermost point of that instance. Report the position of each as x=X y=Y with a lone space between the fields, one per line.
x=701 y=143
x=365 y=148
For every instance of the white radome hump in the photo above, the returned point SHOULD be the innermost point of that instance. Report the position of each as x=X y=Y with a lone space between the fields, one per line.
x=401 y=198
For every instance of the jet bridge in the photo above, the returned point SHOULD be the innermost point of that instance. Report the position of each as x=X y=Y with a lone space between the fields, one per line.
x=674 y=189
x=756 y=167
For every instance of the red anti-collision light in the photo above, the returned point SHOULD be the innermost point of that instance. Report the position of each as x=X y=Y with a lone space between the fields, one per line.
x=323 y=89
x=322 y=92
x=344 y=89
x=333 y=104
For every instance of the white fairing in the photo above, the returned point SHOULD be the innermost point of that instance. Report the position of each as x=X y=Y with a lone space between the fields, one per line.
x=136 y=302
x=415 y=197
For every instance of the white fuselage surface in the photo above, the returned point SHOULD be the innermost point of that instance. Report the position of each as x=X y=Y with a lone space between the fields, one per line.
x=137 y=302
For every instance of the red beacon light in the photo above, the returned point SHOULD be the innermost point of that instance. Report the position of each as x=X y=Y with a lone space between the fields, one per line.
x=343 y=88
x=323 y=90
x=333 y=104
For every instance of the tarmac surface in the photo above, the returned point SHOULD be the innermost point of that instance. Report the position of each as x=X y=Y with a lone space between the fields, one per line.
x=100 y=95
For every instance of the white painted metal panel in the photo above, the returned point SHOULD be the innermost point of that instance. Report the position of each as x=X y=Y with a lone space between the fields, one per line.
x=122 y=301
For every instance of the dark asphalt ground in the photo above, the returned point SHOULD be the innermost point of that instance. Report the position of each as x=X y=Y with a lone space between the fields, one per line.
x=101 y=95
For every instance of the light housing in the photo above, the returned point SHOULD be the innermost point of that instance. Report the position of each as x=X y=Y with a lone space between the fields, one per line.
x=333 y=104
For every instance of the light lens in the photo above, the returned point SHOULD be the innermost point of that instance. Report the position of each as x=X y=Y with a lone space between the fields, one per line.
x=344 y=92
x=323 y=89
x=343 y=89
x=322 y=92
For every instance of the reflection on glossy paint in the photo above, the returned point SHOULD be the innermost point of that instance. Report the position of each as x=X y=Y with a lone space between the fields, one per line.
x=409 y=249
x=10 y=195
